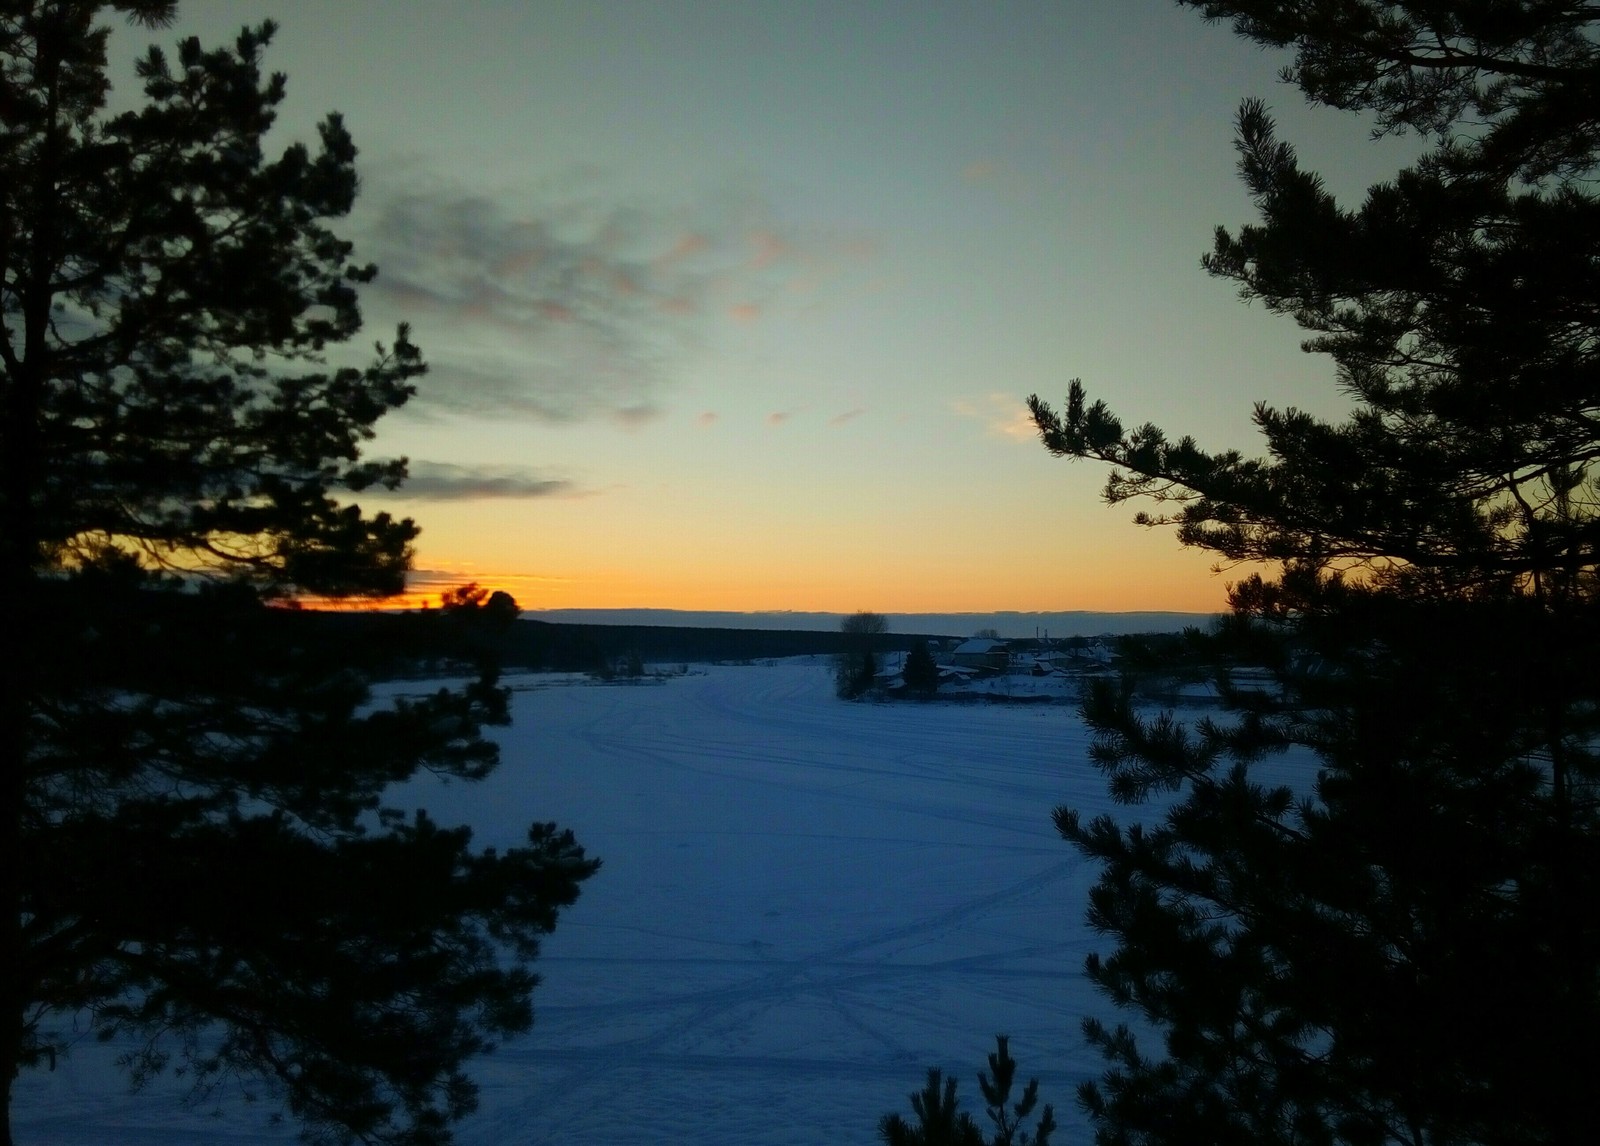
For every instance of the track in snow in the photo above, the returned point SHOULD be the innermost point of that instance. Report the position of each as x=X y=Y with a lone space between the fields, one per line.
x=803 y=905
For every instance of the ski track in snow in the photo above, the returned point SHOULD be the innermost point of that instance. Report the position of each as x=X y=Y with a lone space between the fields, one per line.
x=804 y=904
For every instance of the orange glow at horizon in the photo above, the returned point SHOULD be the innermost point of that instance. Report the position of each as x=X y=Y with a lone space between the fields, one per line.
x=1180 y=587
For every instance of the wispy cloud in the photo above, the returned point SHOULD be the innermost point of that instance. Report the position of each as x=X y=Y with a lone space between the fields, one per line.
x=636 y=417
x=579 y=308
x=779 y=417
x=848 y=416
x=1002 y=176
x=1003 y=415
x=980 y=170
x=427 y=585
x=442 y=481
x=707 y=418
x=769 y=248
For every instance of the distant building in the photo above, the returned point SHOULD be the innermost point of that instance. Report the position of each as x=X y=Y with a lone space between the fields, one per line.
x=982 y=653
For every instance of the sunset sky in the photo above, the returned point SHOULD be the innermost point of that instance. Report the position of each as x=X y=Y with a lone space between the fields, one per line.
x=735 y=305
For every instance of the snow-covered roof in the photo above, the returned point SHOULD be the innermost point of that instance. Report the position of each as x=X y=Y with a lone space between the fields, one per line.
x=981 y=645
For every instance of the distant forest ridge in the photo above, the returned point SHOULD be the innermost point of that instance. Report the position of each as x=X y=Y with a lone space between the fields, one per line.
x=599 y=640
x=1007 y=624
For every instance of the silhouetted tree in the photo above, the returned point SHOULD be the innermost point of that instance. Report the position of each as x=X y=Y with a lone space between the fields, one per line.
x=494 y=610
x=857 y=663
x=921 y=671
x=941 y=1122
x=997 y=1097
x=1400 y=942
x=193 y=842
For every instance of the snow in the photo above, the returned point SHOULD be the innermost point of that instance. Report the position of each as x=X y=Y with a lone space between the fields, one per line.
x=804 y=904
x=980 y=645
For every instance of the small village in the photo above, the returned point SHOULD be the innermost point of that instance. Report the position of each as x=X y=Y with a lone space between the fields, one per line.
x=1039 y=669
x=1027 y=668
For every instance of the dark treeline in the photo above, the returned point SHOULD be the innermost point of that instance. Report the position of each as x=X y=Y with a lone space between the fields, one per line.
x=399 y=643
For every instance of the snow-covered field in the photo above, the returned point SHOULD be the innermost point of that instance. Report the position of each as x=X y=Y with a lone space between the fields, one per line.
x=804 y=904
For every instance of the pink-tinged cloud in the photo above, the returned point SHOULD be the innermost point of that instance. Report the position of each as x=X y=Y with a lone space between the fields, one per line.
x=848 y=416
x=582 y=308
x=518 y=263
x=999 y=177
x=709 y=418
x=687 y=245
x=778 y=417
x=769 y=248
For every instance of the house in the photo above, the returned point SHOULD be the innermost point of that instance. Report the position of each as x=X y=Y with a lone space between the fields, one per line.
x=982 y=653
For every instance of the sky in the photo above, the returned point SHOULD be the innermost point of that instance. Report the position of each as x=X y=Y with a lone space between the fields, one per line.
x=735 y=306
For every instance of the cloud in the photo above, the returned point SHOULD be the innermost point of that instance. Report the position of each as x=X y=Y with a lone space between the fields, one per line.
x=1003 y=415
x=688 y=244
x=442 y=481
x=426 y=585
x=708 y=418
x=778 y=417
x=769 y=249
x=848 y=416
x=1002 y=177
x=580 y=307
x=563 y=315
x=636 y=417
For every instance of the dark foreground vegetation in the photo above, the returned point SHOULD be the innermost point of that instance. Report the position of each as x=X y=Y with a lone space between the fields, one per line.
x=940 y=1121
x=1403 y=944
x=193 y=852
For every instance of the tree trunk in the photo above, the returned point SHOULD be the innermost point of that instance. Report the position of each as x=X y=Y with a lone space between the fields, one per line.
x=21 y=464
x=16 y=577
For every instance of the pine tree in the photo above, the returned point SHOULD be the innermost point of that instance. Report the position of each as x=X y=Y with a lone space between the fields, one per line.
x=921 y=672
x=1403 y=944
x=193 y=847
x=1007 y=1116
x=942 y=1122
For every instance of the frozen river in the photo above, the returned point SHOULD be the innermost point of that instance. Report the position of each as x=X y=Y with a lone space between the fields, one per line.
x=804 y=904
